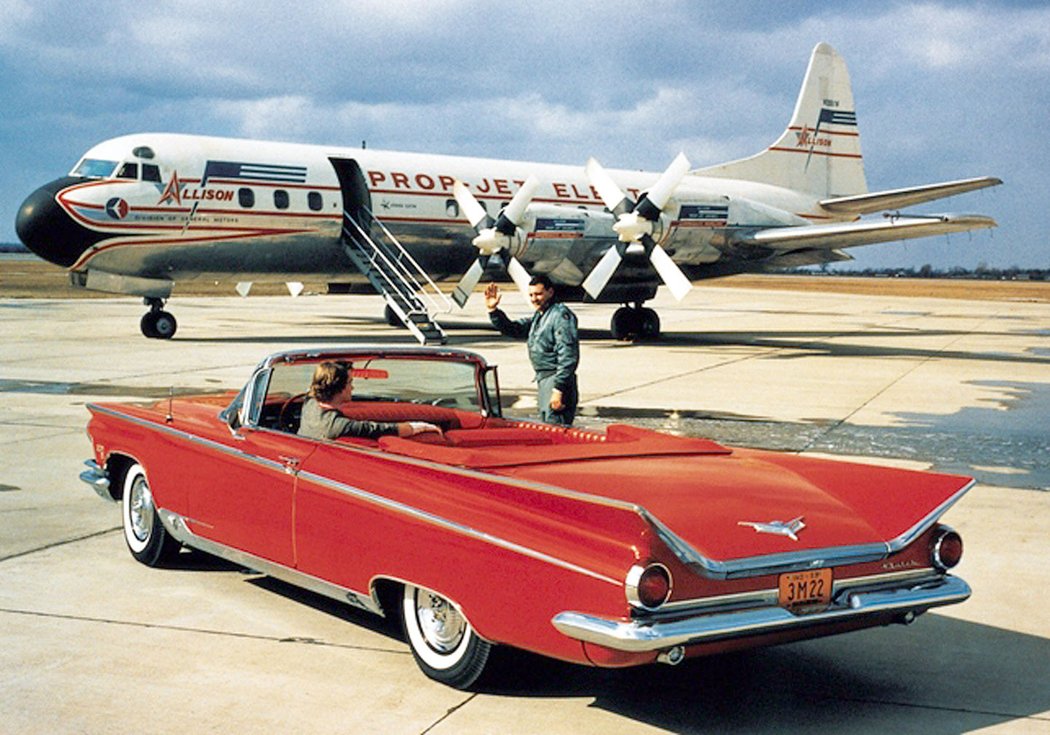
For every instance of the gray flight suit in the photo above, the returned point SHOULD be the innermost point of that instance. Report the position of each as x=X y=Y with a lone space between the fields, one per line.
x=554 y=349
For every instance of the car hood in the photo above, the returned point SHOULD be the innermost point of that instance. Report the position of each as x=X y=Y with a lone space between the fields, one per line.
x=738 y=505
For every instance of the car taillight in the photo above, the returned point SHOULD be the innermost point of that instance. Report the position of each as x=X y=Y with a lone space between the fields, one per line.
x=648 y=587
x=947 y=548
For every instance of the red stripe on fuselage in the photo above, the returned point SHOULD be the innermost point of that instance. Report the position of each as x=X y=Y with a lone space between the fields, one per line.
x=87 y=256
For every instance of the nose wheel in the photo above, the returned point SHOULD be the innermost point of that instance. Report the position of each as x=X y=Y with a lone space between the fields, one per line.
x=157 y=323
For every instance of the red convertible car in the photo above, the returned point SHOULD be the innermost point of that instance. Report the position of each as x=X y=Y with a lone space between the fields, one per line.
x=611 y=548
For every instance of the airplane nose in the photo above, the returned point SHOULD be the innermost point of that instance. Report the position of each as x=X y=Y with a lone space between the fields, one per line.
x=46 y=229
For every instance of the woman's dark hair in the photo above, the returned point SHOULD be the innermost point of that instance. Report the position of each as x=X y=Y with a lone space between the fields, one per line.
x=329 y=380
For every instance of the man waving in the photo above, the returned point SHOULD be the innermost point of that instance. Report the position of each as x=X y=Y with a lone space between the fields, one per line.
x=554 y=347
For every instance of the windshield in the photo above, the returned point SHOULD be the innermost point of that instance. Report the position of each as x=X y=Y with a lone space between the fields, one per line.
x=436 y=382
x=94 y=168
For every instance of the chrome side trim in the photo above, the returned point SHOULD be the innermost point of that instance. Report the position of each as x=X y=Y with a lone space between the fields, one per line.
x=176 y=526
x=644 y=636
x=98 y=479
x=919 y=528
x=394 y=505
x=453 y=526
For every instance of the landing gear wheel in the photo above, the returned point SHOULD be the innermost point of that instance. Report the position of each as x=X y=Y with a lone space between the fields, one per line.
x=158 y=324
x=147 y=540
x=625 y=324
x=649 y=324
x=443 y=643
x=634 y=322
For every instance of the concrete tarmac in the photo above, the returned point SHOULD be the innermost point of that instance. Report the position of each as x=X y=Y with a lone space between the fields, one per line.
x=94 y=642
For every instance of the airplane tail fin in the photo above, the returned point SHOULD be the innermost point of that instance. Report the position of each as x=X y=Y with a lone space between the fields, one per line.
x=819 y=152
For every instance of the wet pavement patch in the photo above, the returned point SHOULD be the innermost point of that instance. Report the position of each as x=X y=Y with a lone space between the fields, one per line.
x=1004 y=444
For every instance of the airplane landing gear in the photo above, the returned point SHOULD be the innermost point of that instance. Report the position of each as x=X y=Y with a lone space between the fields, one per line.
x=634 y=322
x=157 y=323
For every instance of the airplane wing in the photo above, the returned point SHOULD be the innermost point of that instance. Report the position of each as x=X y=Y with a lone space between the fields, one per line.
x=878 y=201
x=862 y=232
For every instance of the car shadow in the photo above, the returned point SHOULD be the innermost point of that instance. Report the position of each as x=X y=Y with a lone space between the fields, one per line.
x=939 y=676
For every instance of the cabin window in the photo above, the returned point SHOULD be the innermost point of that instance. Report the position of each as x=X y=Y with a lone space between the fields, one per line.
x=246 y=197
x=280 y=199
x=94 y=168
x=150 y=172
x=315 y=201
x=128 y=171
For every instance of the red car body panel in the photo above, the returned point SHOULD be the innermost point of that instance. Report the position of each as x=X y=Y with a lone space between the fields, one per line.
x=522 y=525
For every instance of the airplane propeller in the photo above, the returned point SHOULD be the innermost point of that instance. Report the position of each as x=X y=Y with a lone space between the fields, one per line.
x=494 y=238
x=634 y=224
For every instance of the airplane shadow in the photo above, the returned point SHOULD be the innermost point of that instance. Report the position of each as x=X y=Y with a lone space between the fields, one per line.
x=797 y=345
x=790 y=344
x=940 y=676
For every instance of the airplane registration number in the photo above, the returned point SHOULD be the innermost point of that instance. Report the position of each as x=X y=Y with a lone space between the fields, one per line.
x=803 y=592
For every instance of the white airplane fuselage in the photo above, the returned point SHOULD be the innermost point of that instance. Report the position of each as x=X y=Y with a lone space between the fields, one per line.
x=141 y=212
x=275 y=210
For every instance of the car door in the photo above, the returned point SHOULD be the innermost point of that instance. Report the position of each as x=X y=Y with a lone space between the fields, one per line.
x=247 y=501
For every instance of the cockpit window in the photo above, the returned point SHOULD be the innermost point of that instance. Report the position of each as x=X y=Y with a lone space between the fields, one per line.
x=128 y=171
x=150 y=172
x=93 y=168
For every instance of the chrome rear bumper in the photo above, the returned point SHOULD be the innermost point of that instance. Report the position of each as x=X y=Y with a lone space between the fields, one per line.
x=97 y=478
x=640 y=636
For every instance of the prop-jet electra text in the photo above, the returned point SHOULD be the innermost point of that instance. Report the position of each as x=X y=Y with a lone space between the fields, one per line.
x=141 y=212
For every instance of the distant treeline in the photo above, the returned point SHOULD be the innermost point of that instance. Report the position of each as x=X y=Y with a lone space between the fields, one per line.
x=981 y=272
x=12 y=247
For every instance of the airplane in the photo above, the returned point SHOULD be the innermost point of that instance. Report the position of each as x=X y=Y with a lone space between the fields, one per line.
x=142 y=212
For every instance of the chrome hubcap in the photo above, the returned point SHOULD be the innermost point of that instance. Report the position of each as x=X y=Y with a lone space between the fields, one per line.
x=441 y=624
x=140 y=509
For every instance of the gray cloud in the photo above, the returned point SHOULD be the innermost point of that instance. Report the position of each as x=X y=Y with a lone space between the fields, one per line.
x=943 y=90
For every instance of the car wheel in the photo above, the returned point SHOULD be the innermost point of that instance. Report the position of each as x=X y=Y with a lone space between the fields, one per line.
x=443 y=642
x=147 y=540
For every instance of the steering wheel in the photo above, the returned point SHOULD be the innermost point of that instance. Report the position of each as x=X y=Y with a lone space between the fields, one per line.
x=284 y=418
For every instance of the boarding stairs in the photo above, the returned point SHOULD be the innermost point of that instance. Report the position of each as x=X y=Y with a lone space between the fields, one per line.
x=409 y=292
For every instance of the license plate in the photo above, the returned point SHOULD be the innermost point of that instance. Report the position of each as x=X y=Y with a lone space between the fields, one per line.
x=803 y=592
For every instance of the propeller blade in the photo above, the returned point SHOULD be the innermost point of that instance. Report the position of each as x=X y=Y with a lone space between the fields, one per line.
x=599 y=276
x=609 y=191
x=660 y=192
x=671 y=274
x=514 y=211
x=470 y=206
x=519 y=275
x=466 y=284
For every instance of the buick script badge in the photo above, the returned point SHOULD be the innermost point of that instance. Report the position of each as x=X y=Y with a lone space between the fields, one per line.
x=779 y=528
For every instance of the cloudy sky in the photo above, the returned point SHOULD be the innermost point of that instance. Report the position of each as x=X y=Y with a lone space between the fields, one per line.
x=943 y=90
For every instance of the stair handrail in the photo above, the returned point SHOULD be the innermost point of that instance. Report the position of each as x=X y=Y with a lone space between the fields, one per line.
x=414 y=281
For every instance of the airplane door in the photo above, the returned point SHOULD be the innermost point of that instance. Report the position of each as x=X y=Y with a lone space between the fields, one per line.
x=357 y=200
